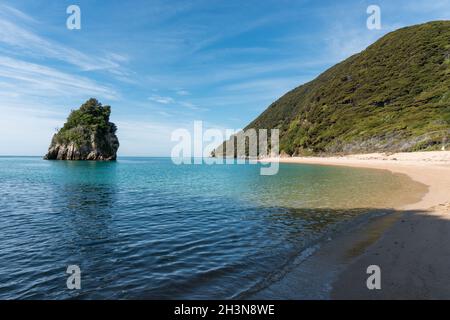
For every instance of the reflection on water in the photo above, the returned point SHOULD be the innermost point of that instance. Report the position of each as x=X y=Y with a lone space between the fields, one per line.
x=88 y=209
x=145 y=228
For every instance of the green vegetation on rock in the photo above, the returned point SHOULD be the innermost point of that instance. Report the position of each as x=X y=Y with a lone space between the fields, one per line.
x=89 y=118
x=87 y=135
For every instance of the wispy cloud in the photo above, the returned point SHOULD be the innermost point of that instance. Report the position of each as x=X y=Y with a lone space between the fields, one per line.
x=345 y=41
x=26 y=126
x=162 y=100
x=192 y=106
x=37 y=80
x=8 y=11
x=166 y=100
x=182 y=92
x=19 y=36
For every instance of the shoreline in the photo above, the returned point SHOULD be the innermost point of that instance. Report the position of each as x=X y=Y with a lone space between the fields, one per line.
x=411 y=246
x=428 y=168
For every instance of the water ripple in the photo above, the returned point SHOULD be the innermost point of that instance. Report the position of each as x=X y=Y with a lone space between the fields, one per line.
x=145 y=228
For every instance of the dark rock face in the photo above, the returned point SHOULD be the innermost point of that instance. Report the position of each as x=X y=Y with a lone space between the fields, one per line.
x=87 y=135
x=102 y=148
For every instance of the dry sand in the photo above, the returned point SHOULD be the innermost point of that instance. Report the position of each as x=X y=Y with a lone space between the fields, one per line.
x=411 y=245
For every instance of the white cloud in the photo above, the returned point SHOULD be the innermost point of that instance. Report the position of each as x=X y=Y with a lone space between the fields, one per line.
x=182 y=92
x=146 y=138
x=162 y=100
x=192 y=106
x=344 y=41
x=26 y=130
x=166 y=100
x=164 y=113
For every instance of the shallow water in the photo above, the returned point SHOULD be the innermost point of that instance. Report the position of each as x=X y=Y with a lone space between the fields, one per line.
x=145 y=228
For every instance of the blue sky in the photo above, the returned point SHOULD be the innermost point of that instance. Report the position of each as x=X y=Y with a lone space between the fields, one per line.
x=163 y=64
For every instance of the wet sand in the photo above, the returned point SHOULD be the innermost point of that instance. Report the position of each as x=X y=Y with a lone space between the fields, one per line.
x=410 y=244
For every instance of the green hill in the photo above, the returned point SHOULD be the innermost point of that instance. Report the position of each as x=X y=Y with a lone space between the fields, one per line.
x=393 y=96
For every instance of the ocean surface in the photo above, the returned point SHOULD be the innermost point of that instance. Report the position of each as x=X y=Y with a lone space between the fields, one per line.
x=144 y=228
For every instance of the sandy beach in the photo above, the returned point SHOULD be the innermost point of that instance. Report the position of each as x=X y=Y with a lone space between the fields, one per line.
x=411 y=244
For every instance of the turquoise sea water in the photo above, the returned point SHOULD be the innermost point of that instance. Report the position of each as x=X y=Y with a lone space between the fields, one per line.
x=145 y=228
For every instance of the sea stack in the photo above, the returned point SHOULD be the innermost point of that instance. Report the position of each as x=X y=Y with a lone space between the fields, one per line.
x=87 y=135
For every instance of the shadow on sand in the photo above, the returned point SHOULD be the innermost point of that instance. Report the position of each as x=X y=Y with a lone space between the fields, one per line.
x=411 y=248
